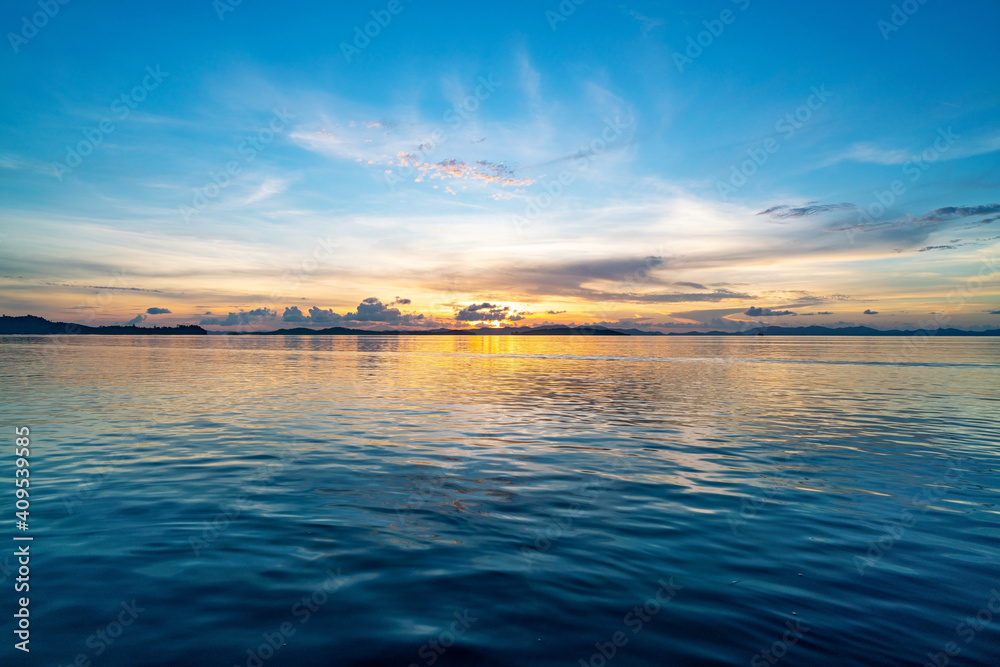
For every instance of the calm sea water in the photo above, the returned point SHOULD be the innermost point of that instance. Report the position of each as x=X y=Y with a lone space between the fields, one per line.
x=507 y=501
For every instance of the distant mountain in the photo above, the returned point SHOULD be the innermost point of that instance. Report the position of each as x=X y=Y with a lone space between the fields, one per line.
x=32 y=325
x=39 y=326
x=839 y=331
x=485 y=331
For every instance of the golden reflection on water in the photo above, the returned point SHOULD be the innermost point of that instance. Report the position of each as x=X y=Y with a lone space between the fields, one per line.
x=548 y=405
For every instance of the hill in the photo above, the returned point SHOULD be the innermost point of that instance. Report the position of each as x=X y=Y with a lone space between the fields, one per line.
x=39 y=326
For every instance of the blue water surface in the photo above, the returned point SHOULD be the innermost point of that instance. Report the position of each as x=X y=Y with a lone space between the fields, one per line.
x=506 y=500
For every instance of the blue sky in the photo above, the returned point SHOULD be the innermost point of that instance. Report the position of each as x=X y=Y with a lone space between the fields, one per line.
x=669 y=165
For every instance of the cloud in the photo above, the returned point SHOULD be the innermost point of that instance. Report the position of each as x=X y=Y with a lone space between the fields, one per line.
x=136 y=320
x=866 y=152
x=293 y=314
x=319 y=316
x=645 y=22
x=482 y=170
x=373 y=310
x=824 y=312
x=811 y=208
x=158 y=311
x=694 y=285
x=953 y=212
x=554 y=312
x=994 y=312
x=937 y=247
x=870 y=312
x=623 y=280
x=491 y=312
x=932 y=217
x=980 y=223
x=676 y=297
x=269 y=188
x=114 y=289
x=754 y=311
x=242 y=317
x=369 y=310
x=483 y=312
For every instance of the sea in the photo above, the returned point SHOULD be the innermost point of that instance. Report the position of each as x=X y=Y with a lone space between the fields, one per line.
x=441 y=500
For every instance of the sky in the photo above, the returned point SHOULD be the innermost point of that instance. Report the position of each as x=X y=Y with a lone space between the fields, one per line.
x=669 y=166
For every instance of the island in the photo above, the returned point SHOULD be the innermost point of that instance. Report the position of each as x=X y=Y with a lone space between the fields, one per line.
x=32 y=325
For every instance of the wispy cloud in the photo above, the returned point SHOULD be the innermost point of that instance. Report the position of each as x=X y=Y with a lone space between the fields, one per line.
x=932 y=217
x=754 y=311
x=872 y=154
x=953 y=212
x=269 y=188
x=811 y=208
x=980 y=223
x=645 y=22
x=481 y=170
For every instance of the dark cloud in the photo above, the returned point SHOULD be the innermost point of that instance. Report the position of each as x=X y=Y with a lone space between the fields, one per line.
x=370 y=310
x=754 y=311
x=692 y=285
x=812 y=208
x=483 y=312
x=627 y=270
x=994 y=312
x=615 y=279
x=293 y=314
x=678 y=297
x=158 y=311
x=870 y=312
x=373 y=310
x=953 y=212
x=937 y=247
x=980 y=223
x=932 y=217
x=554 y=312
x=724 y=324
x=321 y=316
x=824 y=312
x=242 y=317
x=136 y=320
x=114 y=289
x=625 y=323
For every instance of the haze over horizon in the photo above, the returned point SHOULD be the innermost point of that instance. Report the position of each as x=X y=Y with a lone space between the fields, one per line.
x=645 y=165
